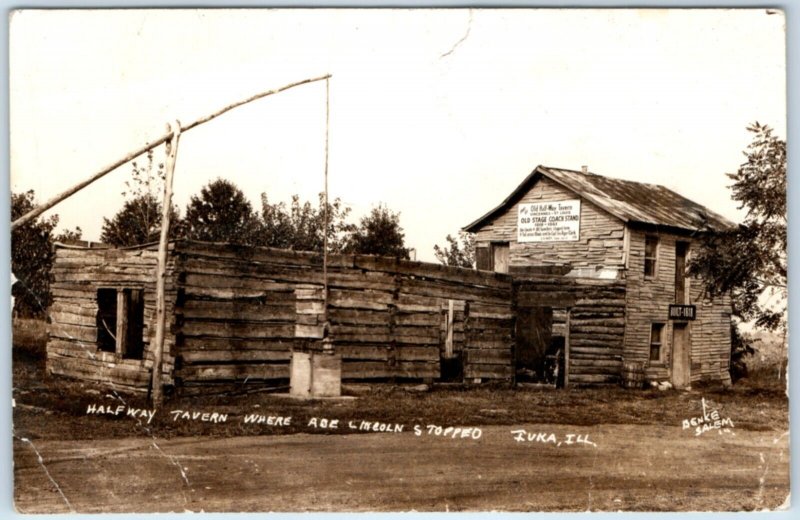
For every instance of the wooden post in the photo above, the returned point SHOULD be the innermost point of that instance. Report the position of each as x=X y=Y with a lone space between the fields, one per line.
x=448 y=342
x=38 y=210
x=161 y=313
x=122 y=323
x=326 y=325
x=566 y=349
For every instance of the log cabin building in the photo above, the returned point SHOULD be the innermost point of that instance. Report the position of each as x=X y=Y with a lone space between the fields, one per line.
x=578 y=276
x=633 y=240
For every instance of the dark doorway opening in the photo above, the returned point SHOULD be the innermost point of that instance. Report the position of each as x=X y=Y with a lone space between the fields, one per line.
x=539 y=354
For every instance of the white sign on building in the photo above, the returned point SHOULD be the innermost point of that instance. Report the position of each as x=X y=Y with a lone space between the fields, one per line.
x=551 y=221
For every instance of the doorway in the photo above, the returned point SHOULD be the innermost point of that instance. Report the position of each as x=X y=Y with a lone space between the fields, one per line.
x=539 y=354
x=681 y=376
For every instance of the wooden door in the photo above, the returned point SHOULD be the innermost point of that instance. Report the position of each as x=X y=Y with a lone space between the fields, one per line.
x=680 y=356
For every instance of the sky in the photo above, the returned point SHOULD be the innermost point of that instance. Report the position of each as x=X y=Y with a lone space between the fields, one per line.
x=438 y=114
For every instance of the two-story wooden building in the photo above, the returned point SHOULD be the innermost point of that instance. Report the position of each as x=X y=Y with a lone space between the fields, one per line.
x=639 y=235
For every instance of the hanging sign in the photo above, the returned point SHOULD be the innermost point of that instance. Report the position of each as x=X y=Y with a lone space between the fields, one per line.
x=682 y=312
x=552 y=221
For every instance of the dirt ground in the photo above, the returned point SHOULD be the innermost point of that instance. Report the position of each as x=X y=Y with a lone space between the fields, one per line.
x=637 y=457
x=631 y=468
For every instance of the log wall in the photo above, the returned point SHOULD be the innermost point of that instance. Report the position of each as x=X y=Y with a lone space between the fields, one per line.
x=596 y=310
x=601 y=235
x=241 y=311
x=72 y=350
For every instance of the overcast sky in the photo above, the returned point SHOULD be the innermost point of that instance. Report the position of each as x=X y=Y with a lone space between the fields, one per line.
x=437 y=114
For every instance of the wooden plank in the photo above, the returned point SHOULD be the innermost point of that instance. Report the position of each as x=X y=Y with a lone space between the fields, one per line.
x=596 y=362
x=456 y=292
x=72 y=319
x=474 y=370
x=237 y=372
x=358 y=317
x=593 y=379
x=98 y=371
x=238 y=310
x=480 y=343
x=68 y=307
x=546 y=299
x=402 y=369
x=429 y=319
x=73 y=332
x=434 y=272
x=265 y=293
x=248 y=253
x=362 y=302
x=383 y=353
x=308 y=331
x=254 y=272
x=448 y=342
x=237 y=329
x=122 y=323
x=485 y=356
x=214 y=343
x=220 y=356
x=310 y=307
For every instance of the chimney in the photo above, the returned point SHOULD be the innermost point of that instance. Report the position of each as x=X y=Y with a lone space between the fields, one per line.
x=585 y=169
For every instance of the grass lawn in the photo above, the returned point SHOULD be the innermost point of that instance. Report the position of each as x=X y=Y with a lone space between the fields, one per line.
x=55 y=408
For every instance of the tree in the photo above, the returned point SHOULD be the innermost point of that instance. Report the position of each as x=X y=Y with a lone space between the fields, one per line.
x=221 y=213
x=460 y=251
x=379 y=233
x=32 y=256
x=750 y=260
x=139 y=220
x=300 y=227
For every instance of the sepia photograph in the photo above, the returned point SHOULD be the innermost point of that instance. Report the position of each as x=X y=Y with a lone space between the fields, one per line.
x=399 y=260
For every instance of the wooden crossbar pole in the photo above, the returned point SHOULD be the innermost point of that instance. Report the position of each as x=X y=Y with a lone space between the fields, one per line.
x=35 y=212
x=161 y=274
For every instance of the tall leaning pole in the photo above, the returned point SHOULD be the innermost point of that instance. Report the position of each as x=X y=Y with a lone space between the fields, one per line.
x=161 y=269
x=170 y=138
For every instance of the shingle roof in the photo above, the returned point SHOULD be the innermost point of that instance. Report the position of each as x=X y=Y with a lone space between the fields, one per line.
x=631 y=202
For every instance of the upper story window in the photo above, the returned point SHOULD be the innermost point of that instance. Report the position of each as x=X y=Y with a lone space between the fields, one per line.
x=681 y=251
x=650 y=256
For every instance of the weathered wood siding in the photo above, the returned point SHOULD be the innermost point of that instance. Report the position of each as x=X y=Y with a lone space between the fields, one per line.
x=601 y=235
x=648 y=301
x=241 y=311
x=72 y=350
x=710 y=336
x=596 y=310
x=236 y=312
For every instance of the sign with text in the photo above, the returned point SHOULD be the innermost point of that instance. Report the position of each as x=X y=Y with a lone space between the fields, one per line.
x=552 y=221
x=682 y=312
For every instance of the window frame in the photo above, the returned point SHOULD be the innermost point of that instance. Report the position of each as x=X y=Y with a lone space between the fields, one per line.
x=659 y=345
x=493 y=247
x=654 y=258
x=681 y=278
x=123 y=319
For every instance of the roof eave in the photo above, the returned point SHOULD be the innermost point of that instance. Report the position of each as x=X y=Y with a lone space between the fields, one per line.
x=508 y=202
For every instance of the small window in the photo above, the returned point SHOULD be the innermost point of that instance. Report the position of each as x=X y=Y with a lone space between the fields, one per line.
x=656 y=336
x=107 y=320
x=120 y=322
x=500 y=257
x=650 y=256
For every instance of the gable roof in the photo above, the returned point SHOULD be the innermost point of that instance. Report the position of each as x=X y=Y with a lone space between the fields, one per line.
x=629 y=201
